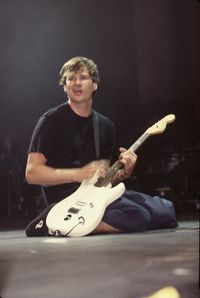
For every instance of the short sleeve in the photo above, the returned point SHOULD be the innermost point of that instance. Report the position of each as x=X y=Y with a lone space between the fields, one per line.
x=43 y=136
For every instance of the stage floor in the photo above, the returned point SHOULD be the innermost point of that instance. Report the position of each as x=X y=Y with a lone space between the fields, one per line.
x=108 y=266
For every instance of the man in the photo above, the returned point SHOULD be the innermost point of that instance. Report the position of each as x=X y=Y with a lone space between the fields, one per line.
x=62 y=154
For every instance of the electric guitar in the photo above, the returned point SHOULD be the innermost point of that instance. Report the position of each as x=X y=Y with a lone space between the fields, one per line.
x=80 y=213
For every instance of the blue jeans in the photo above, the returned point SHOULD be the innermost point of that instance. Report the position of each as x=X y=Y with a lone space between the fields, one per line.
x=138 y=212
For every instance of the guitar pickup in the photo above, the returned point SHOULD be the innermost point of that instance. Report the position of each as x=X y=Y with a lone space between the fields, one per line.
x=73 y=210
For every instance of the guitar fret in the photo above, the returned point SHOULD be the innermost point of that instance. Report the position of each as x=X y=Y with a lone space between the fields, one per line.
x=139 y=142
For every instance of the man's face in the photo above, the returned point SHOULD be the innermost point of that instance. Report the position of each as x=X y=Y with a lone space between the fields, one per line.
x=79 y=86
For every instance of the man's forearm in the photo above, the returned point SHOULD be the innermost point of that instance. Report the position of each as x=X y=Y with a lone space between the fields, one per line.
x=45 y=175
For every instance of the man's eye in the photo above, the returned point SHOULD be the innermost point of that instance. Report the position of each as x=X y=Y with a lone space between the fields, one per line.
x=70 y=78
x=83 y=78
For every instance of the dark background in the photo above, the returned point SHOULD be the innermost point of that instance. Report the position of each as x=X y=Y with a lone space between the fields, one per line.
x=147 y=53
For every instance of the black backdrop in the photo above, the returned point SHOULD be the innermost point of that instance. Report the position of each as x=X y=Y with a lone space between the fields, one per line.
x=147 y=54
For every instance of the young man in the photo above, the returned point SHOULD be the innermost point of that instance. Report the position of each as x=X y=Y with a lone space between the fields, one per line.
x=62 y=154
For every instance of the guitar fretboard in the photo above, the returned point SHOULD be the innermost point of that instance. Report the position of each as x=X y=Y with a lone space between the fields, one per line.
x=118 y=165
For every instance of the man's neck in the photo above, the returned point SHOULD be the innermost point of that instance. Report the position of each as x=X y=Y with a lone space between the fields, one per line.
x=81 y=109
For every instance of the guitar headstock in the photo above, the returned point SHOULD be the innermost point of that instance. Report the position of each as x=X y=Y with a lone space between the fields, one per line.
x=159 y=127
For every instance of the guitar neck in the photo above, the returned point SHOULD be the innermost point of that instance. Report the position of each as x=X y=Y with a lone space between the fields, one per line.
x=139 y=141
x=157 y=128
x=119 y=165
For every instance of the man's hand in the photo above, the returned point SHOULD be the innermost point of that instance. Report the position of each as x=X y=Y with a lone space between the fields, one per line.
x=88 y=171
x=128 y=158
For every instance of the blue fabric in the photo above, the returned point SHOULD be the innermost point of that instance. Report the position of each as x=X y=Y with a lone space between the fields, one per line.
x=138 y=212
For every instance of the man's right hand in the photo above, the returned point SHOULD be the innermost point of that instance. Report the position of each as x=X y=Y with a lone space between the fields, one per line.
x=88 y=171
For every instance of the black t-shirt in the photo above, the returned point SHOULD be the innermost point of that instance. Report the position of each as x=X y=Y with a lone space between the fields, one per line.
x=67 y=141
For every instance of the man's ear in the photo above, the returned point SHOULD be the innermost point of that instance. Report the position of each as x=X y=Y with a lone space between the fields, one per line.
x=64 y=88
x=95 y=86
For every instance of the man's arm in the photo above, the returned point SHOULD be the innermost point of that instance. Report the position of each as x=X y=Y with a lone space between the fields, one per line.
x=37 y=172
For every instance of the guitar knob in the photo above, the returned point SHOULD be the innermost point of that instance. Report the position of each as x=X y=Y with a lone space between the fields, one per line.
x=81 y=220
x=68 y=217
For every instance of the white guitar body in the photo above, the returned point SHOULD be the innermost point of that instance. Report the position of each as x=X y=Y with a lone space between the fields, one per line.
x=80 y=213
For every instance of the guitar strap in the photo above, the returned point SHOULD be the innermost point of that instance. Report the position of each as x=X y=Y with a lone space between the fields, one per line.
x=96 y=133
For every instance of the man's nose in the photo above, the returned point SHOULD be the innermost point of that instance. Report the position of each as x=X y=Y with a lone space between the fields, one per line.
x=77 y=81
